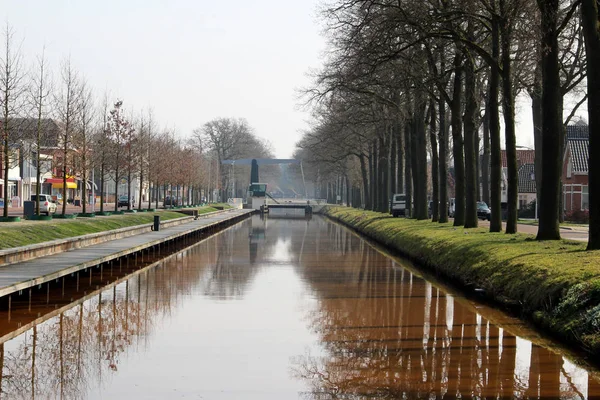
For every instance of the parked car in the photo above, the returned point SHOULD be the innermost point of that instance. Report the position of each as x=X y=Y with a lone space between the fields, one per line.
x=124 y=201
x=483 y=211
x=172 y=201
x=451 y=208
x=398 y=206
x=47 y=204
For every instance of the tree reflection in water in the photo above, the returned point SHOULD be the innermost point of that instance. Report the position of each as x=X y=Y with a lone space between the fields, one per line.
x=81 y=348
x=381 y=331
x=386 y=333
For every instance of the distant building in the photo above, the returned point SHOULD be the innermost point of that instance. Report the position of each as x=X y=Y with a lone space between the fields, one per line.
x=527 y=187
x=575 y=169
x=525 y=162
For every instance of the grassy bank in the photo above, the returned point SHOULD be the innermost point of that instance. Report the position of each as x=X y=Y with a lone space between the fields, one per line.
x=554 y=283
x=30 y=232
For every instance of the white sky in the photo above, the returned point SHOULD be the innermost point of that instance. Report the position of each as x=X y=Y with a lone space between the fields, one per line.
x=189 y=60
x=192 y=60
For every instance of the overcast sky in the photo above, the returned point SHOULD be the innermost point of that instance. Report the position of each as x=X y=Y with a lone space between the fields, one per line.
x=190 y=60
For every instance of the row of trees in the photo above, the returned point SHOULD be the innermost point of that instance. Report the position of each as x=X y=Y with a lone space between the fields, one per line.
x=59 y=116
x=413 y=83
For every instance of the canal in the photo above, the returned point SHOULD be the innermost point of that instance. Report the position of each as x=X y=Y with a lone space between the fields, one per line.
x=276 y=308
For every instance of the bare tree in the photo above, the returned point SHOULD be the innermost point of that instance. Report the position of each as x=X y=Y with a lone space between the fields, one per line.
x=12 y=88
x=40 y=96
x=83 y=138
x=119 y=130
x=102 y=148
x=227 y=137
x=67 y=108
x=144 y=136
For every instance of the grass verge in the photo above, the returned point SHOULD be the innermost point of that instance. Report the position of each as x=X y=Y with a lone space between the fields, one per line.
x=554 y=283
x=24 y=233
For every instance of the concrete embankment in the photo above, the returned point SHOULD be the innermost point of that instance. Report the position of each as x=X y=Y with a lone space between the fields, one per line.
x=555 y=284
x=53 y=263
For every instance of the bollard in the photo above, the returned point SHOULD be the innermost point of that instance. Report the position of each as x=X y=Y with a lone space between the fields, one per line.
x=156 y=226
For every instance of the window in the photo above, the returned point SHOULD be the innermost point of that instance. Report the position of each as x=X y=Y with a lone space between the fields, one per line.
x=585 y=198
x=569 y=169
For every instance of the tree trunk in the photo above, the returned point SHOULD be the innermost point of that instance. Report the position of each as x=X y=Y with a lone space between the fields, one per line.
x=495 y=152
x=6 y=166
x=383 y=173
x=365 y=179
x=393 y=160
x=348 y=197
x=508 y=108
x=84 y=181
x=64 y=172
x=443 y=162
x=102 y=186
x=435 y=198
x=420 y=156
x=536 y=111
x=457 y=143
x=407 y=167
x=117 y=187
x=372 y=175
x=552 y=123
x=471 y=108
x=400 y=157
x=485 y=159
x=590 y=21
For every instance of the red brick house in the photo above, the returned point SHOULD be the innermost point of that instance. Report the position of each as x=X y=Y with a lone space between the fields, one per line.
x=575 y=169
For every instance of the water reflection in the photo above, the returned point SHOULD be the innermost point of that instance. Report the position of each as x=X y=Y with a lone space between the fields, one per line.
x=390 y=334
x=302 y=298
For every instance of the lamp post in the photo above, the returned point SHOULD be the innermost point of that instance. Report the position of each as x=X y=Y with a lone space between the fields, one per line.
x=233 y=168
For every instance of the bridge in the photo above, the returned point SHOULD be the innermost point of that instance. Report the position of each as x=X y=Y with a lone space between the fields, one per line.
x=256 y=162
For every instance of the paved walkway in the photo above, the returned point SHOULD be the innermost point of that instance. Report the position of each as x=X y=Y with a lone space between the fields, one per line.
x=34 y=272
x=71 y=209
x=566 y=232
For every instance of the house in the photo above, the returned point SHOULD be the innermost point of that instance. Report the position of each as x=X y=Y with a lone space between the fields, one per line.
x=527 y=187
x=524 y=158
x=575 y=168
x=25 y=134
x=23 y=156
x=22 y=176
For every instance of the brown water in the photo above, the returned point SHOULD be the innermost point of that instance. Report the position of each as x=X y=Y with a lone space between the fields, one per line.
x=281 y=309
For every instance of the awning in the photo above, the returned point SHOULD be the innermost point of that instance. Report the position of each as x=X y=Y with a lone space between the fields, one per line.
x=59 y=185
x=58 y=180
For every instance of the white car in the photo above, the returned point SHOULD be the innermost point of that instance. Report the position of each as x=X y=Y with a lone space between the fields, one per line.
x=398 y=204
x=47 y=205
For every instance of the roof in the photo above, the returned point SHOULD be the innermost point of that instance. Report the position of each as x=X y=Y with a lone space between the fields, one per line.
x=578 y=132
x=578 y=144
x=26 y=128
x=523 y=157
x=527 y=178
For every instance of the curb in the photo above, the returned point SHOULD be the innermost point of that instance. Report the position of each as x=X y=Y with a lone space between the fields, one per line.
x=29 y=252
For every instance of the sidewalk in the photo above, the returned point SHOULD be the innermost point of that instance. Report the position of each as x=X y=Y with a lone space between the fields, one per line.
x=27 y=274
x=71 y=209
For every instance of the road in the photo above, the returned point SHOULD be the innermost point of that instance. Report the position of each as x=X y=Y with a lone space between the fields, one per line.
x=573 y=233
x=71 y=209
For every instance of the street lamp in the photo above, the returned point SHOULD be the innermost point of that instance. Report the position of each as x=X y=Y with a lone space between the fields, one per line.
x=233 y=168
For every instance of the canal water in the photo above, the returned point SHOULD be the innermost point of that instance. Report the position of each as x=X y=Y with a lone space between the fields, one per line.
x=279 y=308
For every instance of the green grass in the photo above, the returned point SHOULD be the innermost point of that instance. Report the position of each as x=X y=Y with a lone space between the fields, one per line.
x=554 y=283
x=24 y=233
